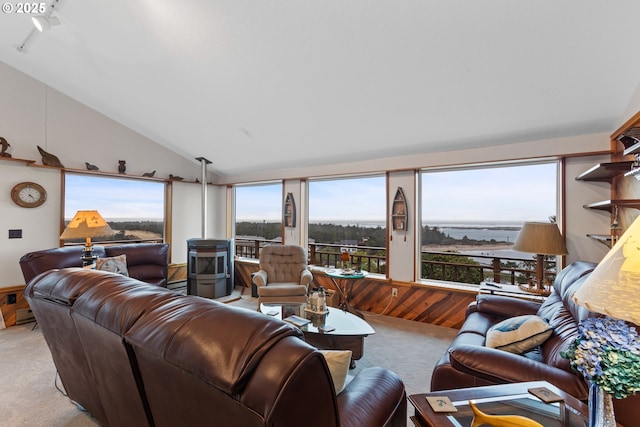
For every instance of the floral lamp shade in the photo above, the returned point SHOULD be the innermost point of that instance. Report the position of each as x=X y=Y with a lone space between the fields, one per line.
x=613 y=288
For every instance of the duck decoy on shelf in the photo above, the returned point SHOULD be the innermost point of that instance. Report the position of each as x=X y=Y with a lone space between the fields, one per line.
x=91 y=167
x=49 y=159
x=4 y=147
x=149 y=174
x=175 y=178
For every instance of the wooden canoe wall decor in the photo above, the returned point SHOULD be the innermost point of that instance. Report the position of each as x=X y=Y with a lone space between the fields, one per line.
x=289 y=211
x=399 y=213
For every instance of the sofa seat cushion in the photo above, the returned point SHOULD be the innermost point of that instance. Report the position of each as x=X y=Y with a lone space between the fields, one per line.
x=282 y=290
x=519 y=334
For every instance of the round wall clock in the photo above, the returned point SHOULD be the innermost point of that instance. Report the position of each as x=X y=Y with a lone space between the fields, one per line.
x=28 y=194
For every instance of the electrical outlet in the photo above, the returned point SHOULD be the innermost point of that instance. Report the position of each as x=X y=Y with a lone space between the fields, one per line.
x=394 y=292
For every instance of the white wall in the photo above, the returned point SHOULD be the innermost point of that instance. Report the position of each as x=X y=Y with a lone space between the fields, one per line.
x=403 y=246
x=32 y=114
x=581 y=221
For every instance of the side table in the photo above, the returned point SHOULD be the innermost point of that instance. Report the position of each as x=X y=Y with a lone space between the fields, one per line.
x=503 y=399
x=347 y=279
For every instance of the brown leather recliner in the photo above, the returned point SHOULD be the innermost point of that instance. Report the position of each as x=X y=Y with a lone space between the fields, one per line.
x=135 y=354
x=148 y=262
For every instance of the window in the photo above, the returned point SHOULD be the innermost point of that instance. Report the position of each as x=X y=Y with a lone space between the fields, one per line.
x=133 y=208
x=477 y=213
x=258 y=217
x=350 y=214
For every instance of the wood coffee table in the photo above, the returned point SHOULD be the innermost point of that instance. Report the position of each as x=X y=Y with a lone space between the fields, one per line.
x=504 y=399
x=348 y=333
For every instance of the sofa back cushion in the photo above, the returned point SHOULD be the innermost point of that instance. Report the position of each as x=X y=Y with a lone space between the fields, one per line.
x=563 y=314
x=34 y=263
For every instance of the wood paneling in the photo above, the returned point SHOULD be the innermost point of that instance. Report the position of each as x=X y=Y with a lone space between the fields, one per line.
x=9 y=310
x=421 y=303
x=177 y=273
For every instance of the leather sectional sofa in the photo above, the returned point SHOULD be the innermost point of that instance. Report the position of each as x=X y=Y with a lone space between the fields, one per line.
x=469 y=363
x=148 y=262
x=134 y=354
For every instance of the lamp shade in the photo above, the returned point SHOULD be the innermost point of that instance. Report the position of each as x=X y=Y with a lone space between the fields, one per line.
x=86 y=224
x=613 y=288
x=541 y=238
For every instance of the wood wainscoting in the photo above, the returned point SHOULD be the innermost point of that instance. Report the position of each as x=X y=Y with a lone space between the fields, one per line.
x=422 y=303
x=11 y=300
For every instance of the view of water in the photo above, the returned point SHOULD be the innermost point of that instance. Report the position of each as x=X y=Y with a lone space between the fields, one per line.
x=481 y=233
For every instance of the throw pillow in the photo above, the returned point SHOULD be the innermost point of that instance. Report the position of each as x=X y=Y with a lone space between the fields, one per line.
x=116 y=264
x=338 y=362
x=519 y=334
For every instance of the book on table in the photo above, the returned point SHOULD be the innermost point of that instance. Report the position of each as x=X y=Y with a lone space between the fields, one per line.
x=297 y=320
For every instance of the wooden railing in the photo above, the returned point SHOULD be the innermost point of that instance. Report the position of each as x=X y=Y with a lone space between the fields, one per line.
x=373 y=259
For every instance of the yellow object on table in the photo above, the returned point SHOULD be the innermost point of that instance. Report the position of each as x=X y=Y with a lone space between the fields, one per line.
x=480 y=418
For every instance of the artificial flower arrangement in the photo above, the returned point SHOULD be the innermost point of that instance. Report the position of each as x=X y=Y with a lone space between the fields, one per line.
x=607 y=352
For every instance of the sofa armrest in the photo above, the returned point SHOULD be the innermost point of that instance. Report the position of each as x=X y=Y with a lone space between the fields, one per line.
x=503 y=306
x=306 y=277
x=260 y=278
x=375 y=397
x=501 y=367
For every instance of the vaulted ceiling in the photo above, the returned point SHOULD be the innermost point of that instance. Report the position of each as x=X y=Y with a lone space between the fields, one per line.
x=260 y=85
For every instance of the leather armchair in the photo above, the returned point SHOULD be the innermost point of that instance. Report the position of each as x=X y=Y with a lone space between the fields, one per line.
x=283 y=274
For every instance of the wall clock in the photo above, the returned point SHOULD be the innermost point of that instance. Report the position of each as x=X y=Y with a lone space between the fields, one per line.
x=28 y=194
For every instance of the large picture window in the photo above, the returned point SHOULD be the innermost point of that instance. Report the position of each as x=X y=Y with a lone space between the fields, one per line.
x=472 y=217
x=348 y=214
x=133 y=208
x=258 y=217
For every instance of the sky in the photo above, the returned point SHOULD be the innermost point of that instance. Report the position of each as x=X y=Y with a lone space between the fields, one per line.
x=114 y=198
x=501 y=195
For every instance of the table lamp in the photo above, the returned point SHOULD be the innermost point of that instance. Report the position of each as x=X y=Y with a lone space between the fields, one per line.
x=540 y=238
x=613 y=288
x=85 y=225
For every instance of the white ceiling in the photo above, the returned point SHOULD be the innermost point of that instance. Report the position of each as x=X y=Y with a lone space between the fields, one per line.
x=275 y=84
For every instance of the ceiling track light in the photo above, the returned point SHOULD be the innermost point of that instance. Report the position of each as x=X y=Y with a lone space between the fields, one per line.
x=41 y=23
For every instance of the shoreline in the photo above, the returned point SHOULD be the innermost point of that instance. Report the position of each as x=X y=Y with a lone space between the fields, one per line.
x=467 y=248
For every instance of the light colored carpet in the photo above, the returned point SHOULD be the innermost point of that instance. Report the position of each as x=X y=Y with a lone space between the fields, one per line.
x=30 y=398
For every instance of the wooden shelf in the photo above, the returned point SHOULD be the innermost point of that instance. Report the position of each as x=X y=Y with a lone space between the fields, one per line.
x=605 y=239
x=605 y=172
x=607 y=205
x=630 y=138
x=13 y=159
x=399 y=211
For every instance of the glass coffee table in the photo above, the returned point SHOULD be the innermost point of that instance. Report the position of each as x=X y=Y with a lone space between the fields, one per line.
x=334 y=330
x=504 y=399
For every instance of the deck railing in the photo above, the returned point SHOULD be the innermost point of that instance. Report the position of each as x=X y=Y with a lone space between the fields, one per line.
x=511 y=270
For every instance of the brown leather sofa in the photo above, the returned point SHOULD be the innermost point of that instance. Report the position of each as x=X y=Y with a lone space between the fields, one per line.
x=134 y=354
x=148 y=262
x=468 y=363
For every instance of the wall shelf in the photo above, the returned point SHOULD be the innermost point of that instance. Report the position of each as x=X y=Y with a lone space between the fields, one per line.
x=399 y=211
x=608 y=205
x=605 y=239
x=605 y=172
x=13 y=159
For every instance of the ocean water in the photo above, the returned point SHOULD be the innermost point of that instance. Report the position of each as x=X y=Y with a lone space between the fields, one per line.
x=486 y=233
